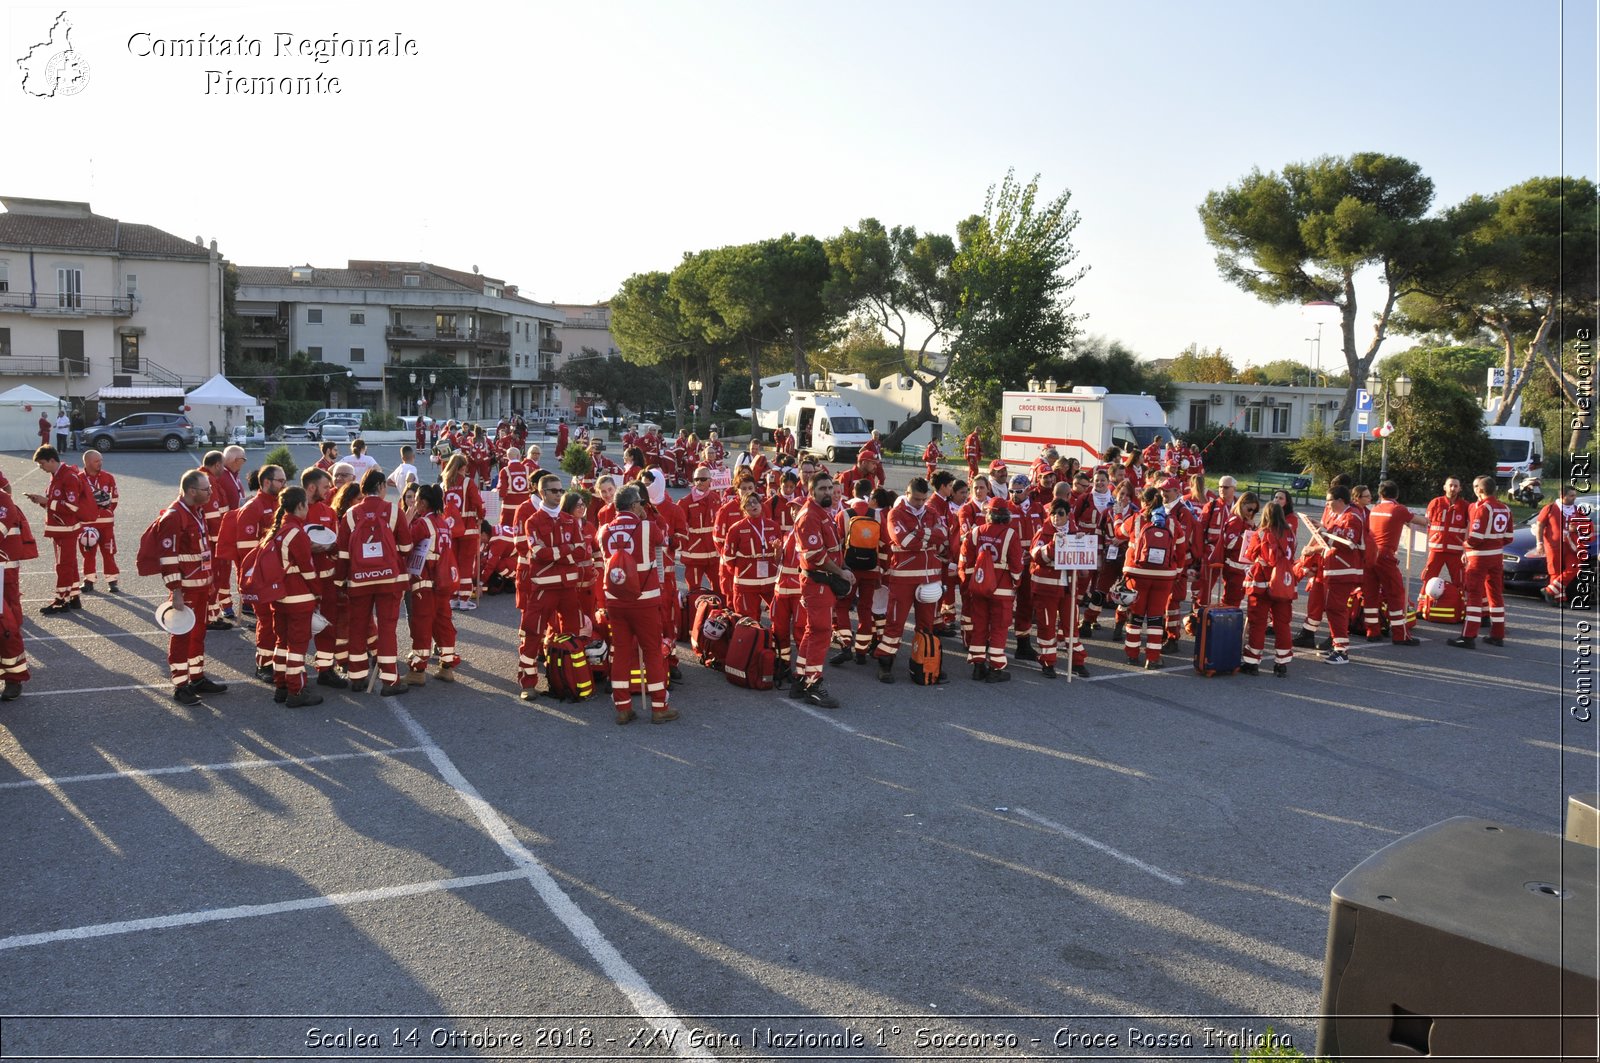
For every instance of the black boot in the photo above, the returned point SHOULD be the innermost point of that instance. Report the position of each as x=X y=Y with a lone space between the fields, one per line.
x=842 y=656
x=886 y=669
x=1025 y=650
x=1048 y=671
x=1463 y=642
x=980 y=671
x=1306 y=639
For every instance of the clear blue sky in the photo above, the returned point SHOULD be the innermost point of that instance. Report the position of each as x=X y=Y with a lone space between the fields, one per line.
x=564 y=146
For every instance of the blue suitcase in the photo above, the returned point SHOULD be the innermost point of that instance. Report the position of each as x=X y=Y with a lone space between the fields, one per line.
x=1219 y=640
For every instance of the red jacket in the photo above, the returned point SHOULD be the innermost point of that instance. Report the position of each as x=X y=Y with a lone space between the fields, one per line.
x=973 y=448
x=185 y=552
x=752 y=550
x=1490 y=529
x=917 y=543
x=1347 y=534
x=815 y=538
x=1262 y=551
x=103 y=486
x=699 y=517
x=1447 y=524
x=1004 y=543
x=69 y=502
x=639 y=538
x=515 y=484
x=301 y=582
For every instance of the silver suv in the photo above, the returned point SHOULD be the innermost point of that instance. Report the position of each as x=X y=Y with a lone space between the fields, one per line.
x=173 y=431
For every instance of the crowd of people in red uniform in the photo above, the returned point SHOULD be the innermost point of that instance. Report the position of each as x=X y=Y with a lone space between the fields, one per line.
x=834 y=567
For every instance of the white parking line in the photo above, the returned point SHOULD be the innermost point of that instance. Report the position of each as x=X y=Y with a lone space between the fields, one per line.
x=825 y=718
x=1149 y=869
x=94 y=690
x=232 y=765
x=99 y=635
x=645 y=1000
x=252 y=911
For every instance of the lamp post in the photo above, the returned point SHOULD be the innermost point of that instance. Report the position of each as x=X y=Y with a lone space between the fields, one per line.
x=1033 y=384
x=1395 y=395
x=1051 y=385
x=694 y=402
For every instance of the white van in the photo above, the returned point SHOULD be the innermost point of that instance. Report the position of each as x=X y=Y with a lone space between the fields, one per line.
x=823 y=424
x=312 y=429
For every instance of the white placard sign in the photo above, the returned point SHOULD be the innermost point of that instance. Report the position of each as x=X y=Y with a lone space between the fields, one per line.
x=1077 y=553
x=491 y=506
x=721 y=479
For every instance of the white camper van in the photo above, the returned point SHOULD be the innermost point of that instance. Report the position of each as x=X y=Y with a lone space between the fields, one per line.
x=823 y=424
x=1083 y=423
x=1518 y=449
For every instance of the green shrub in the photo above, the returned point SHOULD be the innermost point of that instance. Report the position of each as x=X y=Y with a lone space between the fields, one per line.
x=576 y=462
x=281 y=457
x=380 y=421
x=282 y=412
x=1322 y=454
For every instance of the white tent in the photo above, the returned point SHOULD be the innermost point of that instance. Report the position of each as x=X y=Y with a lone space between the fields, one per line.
x=19 y=416
x=219 y=402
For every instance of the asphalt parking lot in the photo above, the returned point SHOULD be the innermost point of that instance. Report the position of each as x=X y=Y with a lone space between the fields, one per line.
x=923 y=873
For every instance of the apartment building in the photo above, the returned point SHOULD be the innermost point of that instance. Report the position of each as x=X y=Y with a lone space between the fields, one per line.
x=1281 y=412
x=394 y=326
x=90 y=303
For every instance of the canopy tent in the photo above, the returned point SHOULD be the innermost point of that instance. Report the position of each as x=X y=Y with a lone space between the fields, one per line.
x=19 y=416
x=217 y=402
x=218 y=392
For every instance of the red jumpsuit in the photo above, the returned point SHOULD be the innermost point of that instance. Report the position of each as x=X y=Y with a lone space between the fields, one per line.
x=1384 y=588
x=1567 y=539
x=869 y=621
x=1262 y=550
x=786 y=601
x=1185 y=529
x=375 y=572
x=103 y=486
x=974 y=454
x=1343 y=570
x=728 y=513
x=991 y=614
x=931 y=457
x=1447 y=532
x=515 y=486
x=552 y=551
x=432 y=625
x=916 y=547
x=226 y=494
x=186 y=571
x=464 y=504
x=635 y=621
x=291 y=614
x=816 y=538
x=1151 y=572
x=1053 y=591
x=699 y=553
x=1490 y=527
x=752 y=551
x=69 y=502
x=16 y=545
x=333 y=645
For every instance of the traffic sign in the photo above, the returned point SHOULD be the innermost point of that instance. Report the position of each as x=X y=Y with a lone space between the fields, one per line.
x=1364 y=418
x=1363 y=400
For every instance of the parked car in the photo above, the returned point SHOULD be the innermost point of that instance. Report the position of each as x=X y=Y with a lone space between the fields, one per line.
x=172 y=431
x=1526 y=574
x=339 y=429
x=410 y=423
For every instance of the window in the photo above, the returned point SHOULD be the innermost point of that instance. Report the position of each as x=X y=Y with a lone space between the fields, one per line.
x=358 y=317
x=314 y=353
x=358 y=354
x=1315 y=415
x=412 y=280
x=314 y=316
x=130 y=353
x=1022 y=424
x=1251 y=425
x=5 y=343
x=1280 y=420
x=5 y=278
x=1199 y=414
x=69 y=287
x=69 y=349
x=133 y=286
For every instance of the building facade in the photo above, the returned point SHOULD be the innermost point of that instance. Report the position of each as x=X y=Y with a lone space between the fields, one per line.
x=395 y=327
x=90 y=302
x=1267 y=413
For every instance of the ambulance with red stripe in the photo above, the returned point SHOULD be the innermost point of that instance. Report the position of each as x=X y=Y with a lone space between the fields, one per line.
x=1084 y=423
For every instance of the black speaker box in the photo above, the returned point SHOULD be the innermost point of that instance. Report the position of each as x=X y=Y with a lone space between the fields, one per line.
x=1467 y=940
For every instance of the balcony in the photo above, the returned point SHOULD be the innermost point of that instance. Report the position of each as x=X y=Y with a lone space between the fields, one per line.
x=549 y=345
x=429 y=336
x=41 y=365
x=51 y=305
x=492 y=367
x=264 y=328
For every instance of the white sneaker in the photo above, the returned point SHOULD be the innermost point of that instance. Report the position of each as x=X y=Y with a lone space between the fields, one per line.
x=468 y=604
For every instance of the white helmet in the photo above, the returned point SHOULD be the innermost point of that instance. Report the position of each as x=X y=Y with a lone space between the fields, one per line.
x=89 y=538
x=596 y=652
x=715 y=628
x=1123 y=595
x=1435 y=588
x=928 y=593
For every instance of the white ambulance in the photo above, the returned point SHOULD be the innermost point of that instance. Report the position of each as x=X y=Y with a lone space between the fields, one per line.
x=1084 y=423
x=824 y=424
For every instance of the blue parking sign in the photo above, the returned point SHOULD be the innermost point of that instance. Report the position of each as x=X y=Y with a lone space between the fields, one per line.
x=1363 y=399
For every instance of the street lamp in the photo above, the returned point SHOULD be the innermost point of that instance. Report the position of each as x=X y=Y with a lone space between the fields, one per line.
x=1050 y=385
x=1033 y=384
x=1395 y=395
x=694 y=401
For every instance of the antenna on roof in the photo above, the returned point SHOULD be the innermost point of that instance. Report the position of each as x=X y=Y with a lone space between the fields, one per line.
x=474 y=269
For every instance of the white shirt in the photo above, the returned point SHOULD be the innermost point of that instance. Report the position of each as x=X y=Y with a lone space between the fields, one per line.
x=360 y=464
x=402 y=473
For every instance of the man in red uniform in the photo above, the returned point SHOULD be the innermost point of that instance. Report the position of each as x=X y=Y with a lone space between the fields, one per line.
x=242 y=530
x=917 y=539
x=67 y=503
x=1185 y=529
x=633 y=610
x=1149 y=573
x=103 y=486
x=1384 y=588
x=1343 y=567
x=866 y=468
x=186 y=570
x=931 y=457
x=1447 y=532
x=374 y=540
x=991 y=611
x=973 y=448
x=562 y=434
x=1215 y=515
x=817 y=549
x=699 y=552
x=333 y=641
x=16 y=546
x=752 y=551
x=1490 y=527
x=1566 y=539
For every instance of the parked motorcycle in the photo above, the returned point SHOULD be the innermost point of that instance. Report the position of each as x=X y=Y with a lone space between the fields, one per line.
x=1529 y=490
